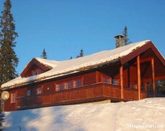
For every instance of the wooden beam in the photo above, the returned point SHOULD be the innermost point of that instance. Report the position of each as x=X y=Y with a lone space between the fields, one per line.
x=159 y=78
x=146 y=60
x=121 y=82
x=138 y=77
x=153 y=76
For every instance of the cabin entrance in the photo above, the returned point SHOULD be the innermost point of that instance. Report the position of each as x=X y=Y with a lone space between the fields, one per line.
x=149 y=89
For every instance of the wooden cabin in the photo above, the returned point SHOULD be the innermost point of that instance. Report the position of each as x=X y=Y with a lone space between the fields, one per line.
x=122 y=74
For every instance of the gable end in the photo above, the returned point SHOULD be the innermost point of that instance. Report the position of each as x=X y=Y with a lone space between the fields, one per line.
x=34 y=68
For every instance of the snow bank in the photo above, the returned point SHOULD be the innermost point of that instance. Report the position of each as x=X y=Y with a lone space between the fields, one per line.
x=143 y=115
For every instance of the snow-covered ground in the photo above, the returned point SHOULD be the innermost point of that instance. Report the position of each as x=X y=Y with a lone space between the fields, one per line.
x=143 y=115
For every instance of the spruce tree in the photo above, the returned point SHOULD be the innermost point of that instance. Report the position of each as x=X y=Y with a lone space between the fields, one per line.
x=8 y=58
x=81 y=53
x=125 y=33
x=44 y=54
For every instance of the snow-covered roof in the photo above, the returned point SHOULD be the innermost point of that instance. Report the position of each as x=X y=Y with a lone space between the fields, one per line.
x=60 y=68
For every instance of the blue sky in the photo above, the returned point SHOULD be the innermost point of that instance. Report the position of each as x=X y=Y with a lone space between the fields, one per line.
x=64 y=27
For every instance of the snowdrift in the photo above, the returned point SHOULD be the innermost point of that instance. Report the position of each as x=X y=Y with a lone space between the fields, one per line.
x=143 y=115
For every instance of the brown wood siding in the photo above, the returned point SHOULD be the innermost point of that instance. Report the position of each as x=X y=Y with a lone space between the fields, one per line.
x=92 y=92
x=96 y=91
x=89 y=78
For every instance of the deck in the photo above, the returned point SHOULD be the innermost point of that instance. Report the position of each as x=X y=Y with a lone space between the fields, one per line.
x=88 y=93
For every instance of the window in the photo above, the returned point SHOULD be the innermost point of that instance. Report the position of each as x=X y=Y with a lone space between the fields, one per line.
x=29 y=92
x=70 y=84
x=34 y=73
x=38 y=71
x=115 y=82
x=57 y=87
x=39 y=91
x=66 y=85
x=108 y=80
x=74 y=84
x=78 y=83
x=13 y=98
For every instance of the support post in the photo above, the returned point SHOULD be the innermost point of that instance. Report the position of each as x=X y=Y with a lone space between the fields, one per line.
x=121 y=82
x=153 y=76
x=138 y=77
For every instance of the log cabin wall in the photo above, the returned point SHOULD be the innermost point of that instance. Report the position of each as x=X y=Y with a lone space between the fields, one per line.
x=46 y=88
x=84 y=87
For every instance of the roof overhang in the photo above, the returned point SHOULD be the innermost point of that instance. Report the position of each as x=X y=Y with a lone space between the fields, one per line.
x=140 y=50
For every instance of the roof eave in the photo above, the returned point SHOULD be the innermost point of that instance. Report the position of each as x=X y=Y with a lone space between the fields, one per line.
x=140 y=50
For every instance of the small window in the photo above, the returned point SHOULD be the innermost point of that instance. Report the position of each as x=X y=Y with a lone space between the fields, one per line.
x=38 y=71
x=39 y=91
x=57 y=87
x=13 y=98
x=78 y=83
x=115 y=82
x=108 y=80
x=65 y=85
x=29 y=92
x=74 y=84
x=70 y=84
x=34 y=72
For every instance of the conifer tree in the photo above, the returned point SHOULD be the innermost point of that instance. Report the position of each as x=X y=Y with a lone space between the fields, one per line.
x=125 y=33
x=8 y=58
x=44 y=54
x=81 y=53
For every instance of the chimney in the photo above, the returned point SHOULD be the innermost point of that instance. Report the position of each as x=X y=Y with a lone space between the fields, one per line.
x=120 y=41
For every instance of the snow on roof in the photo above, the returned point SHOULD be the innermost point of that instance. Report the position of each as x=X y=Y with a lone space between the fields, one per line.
x=66 y=67
x=51 y=63
x=143 y=115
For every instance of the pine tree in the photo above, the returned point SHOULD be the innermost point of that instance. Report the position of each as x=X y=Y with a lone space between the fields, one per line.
x=44 y=54
x=8 y=58
x=125 y=33
x=81 y=53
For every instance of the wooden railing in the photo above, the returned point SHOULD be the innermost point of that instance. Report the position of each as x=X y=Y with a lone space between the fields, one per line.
x=93 y=92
